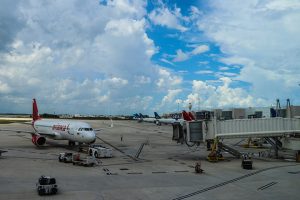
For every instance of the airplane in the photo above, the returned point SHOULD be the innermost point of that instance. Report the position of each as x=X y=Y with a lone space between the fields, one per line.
x=147 y=119
x=186 y=117
x=73 y=131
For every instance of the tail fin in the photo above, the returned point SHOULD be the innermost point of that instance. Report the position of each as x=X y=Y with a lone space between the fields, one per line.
x=186 y=116
x=141 y=116
x=192 y=116
x=35 y=111
x=156 y=115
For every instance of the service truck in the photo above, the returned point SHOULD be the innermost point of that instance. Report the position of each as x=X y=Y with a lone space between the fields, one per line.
x=99 y=151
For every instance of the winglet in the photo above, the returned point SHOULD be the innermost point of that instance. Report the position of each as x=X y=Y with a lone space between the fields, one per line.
x=35 y=111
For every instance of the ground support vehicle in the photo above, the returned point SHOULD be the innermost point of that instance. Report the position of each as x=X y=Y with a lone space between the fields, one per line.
x=99 y=151
x=65 y=157
x=46 y=185
x=1 y=151
x=88 y=161
x=246 y=162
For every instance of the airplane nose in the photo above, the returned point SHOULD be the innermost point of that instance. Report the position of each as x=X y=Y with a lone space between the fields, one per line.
x=92 y=137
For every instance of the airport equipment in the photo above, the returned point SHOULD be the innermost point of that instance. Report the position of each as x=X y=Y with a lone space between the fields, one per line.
x=279 y=132
x=198 y=168
x=88 y=161
x=46 y=185
x=140 y=149
x=65 y=157
x=1 y=151
x=246 y=162
x=99 y=151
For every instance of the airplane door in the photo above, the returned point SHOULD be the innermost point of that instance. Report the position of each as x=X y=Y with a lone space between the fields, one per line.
x=69 y=131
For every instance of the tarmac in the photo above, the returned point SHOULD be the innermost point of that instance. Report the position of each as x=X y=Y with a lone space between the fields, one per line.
x=163 y=170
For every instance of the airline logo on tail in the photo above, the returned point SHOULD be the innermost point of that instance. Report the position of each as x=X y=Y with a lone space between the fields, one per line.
x=156 y=115
x=188 y=116
x=35 y=111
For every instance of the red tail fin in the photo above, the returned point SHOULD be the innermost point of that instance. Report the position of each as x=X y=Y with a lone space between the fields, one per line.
x=35 y=111
x=186 y=116
x=192 y=116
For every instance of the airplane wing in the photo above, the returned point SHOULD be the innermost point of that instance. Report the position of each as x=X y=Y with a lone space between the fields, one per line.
x=31 y=132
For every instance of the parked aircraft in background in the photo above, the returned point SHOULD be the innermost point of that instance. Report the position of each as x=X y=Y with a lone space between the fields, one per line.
x=147 y=119
x=187 y=116
x=73 y=131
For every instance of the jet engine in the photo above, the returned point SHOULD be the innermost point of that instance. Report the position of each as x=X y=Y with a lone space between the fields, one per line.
x=38 y=140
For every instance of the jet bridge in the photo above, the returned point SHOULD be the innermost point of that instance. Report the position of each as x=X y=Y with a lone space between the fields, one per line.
x=260 y=127
x=285 y=129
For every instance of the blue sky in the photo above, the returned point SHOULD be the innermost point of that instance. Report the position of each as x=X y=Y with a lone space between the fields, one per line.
x=128 y=56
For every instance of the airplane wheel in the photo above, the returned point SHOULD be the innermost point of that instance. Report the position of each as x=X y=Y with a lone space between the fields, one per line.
x=71 y=143
x=96 y=155
x=54 y=190
x=42 y=191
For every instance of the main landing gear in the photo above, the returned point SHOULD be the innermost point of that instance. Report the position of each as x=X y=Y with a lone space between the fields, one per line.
x=71 y=143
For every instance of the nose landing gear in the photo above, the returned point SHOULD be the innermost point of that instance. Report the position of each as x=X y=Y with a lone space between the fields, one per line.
x=71 y=143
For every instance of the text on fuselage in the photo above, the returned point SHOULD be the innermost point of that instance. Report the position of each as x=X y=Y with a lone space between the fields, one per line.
x=60 y=127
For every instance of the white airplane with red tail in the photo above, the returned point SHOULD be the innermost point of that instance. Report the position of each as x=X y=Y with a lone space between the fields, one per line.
x=73 y=131
x=186 y=116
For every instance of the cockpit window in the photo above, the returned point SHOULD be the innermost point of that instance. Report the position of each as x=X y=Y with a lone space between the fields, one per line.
x=85 y=129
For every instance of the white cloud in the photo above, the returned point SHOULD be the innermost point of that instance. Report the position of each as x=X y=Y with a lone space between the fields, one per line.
x=263 y=38
x=166 y=61
x=207 y=95
x=142 y=80
x=200 y=49
x=4 y=88
x=168 y=102
x=128 y=8
x=224 y=68
x=169 y=98
x=204 y=72
x=169 y=18
x=167 y=80
x=180 y=56
x=124 y=27
x=226 y=74
x=81 y=57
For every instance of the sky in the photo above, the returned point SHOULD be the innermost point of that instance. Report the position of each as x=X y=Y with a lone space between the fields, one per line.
x=128 y=56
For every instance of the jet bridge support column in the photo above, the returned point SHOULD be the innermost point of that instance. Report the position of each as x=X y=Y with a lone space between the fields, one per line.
x=215 y=154
x=276 y=144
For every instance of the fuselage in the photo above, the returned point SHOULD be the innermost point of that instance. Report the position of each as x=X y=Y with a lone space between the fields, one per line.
x=74 y=131
x=170 y=120
x=149 y=119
